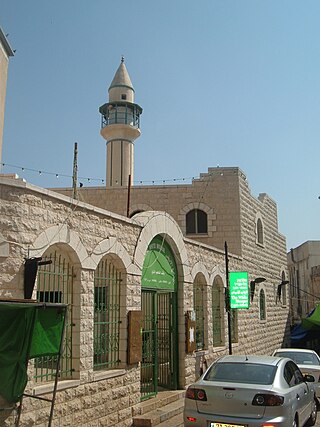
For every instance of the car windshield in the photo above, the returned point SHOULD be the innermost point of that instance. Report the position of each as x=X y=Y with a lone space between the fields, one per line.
x=299 y=357
x=249 y=373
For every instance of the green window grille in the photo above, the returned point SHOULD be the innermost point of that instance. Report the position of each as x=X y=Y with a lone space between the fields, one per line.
x=198 y=303
x=55 y=285
x=262 y=305
x=107 y=281
x=234 y=325
x=217 y=315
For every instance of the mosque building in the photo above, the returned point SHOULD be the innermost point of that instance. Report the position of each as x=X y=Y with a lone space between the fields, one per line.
x=144 y=272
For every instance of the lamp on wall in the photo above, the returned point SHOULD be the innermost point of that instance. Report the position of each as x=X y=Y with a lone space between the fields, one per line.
x=30 y=274
x=253 y=285
x=283 y=282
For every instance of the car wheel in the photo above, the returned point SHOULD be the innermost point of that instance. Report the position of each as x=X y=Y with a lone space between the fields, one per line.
x=313 y=416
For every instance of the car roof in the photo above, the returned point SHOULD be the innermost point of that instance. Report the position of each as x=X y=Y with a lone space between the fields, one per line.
x=265 y=360
x=295 y=350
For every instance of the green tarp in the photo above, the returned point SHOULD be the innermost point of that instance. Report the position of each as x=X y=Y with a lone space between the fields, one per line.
x=312 y=322
x=26 y=331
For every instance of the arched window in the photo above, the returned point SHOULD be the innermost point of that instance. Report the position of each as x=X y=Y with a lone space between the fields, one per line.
x=196 y=222
x=217 y=312
x=262 y=305
x=106 y=335
x=55 y=285
x=199 y=308
x=259 y=232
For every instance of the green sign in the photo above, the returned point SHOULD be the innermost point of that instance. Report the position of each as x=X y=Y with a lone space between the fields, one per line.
x=239 y=289
x=159 y=267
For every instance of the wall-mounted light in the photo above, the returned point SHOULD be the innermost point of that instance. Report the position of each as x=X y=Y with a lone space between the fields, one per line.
x=253 y=285
x=284 y=282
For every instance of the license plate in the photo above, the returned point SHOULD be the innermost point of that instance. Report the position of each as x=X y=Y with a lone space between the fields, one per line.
x=227 y=425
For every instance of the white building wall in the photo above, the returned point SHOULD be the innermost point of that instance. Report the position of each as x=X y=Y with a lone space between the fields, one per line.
x=33 y=219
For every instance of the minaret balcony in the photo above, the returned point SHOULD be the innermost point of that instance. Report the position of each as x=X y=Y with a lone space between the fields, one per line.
x=123 y=113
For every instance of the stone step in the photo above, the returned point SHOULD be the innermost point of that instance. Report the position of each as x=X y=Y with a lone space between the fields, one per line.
x=164 y=415
x=176 y=421
x=162 y=399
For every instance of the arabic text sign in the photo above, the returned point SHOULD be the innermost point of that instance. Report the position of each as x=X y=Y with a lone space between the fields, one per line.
x=239 y=289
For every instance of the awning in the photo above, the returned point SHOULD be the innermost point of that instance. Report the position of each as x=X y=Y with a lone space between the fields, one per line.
x=27 y=330
x=312 y=322
x=309 y=328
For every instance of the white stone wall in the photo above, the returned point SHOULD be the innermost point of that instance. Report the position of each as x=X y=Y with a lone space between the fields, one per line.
x=33 y=219
x=266 y=260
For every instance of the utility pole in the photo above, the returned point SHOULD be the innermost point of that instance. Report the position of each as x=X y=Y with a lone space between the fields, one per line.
x=75 y=172
x=227 y=296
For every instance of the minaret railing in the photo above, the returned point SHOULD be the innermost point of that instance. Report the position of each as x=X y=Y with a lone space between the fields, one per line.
x=120 y=113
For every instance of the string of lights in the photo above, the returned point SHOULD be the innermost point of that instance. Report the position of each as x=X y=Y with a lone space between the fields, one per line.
x=91 y=179
x=57 y=175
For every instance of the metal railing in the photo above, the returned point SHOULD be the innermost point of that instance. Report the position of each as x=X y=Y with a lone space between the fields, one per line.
x=119 y=114
x=55 y=285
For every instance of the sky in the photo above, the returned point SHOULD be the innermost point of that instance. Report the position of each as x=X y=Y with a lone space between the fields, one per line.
x=221 y=82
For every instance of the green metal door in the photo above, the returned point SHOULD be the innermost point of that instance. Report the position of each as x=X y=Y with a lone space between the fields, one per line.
x=159 y=367
x=149 y=364
x=159 y=342
x=167 y=340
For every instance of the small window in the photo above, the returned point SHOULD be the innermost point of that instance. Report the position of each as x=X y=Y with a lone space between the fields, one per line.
x=124 y=96
x=288 y=374
x=196 y=222
x=292 y=374
x=259 y=231
x=262 y=305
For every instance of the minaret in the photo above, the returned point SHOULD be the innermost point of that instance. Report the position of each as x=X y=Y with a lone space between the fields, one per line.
x=5 y=53
x=120 y=127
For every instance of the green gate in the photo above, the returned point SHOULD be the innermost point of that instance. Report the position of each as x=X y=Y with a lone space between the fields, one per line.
x=159 y=367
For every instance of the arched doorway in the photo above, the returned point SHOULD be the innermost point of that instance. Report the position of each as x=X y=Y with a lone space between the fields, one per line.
x=159 y=367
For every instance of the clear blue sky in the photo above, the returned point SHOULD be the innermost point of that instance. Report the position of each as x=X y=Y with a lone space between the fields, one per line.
x=229 y=83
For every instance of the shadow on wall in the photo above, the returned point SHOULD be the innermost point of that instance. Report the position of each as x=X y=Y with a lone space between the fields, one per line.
x=7 y=412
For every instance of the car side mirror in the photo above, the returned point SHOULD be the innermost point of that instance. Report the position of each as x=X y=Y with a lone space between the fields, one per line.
x=309 y=378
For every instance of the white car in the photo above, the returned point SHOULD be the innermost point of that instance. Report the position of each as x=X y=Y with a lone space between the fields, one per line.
x=251 y=391
x=307 y=360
